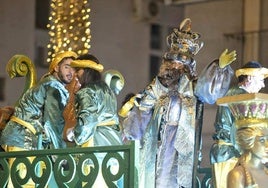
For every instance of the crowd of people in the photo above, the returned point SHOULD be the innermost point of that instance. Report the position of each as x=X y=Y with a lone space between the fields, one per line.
x=162 y=116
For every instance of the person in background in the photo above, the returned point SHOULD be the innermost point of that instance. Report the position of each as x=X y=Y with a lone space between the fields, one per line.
x=224 y=152
x=5 y=114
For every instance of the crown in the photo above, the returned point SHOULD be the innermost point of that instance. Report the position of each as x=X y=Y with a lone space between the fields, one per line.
x=183 y=43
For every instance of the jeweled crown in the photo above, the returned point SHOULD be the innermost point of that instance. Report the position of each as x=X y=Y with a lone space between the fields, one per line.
x=183 y=43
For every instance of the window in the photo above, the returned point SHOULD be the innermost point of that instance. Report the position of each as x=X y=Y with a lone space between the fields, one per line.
x=158 y=47
x=41 y=13
x=155 y=62
x=2 y=88
x=156 y=37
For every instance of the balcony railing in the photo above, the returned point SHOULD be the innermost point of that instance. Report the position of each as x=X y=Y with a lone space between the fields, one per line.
x=79 y=167
x=72 y=167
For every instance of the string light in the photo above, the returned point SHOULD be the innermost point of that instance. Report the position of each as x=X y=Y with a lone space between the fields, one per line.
x=68 y=27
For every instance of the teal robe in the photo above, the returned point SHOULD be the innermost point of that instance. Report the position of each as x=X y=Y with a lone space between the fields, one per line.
x=225 y=131
x=97 y=105
x=42 y=106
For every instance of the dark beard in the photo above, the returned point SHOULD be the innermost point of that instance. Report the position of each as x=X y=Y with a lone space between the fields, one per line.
x=169 y=81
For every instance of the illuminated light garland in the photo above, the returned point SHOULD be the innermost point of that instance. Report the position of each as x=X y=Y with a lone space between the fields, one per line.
x=68 y=27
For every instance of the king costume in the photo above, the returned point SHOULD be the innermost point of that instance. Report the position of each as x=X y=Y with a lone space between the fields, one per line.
x=164 y=119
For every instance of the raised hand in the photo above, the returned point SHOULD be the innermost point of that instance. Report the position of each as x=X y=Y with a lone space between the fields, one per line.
x=227 y=58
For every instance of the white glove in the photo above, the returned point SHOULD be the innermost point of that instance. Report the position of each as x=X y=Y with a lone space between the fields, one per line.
x=70 y=134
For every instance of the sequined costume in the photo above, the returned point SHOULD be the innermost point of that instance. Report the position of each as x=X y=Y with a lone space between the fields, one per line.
x=164 y=115
x=97 y=116
x=165 y=124
x=41 y=107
